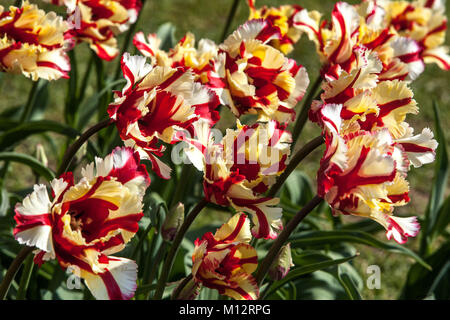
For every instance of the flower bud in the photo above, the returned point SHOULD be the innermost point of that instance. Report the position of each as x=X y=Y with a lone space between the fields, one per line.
x=282 y=264
x=188 y=289
x=172 y=223
x=40 y=154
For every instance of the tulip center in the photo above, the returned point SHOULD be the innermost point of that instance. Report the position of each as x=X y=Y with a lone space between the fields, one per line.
x=76 y=223
x=90 y=216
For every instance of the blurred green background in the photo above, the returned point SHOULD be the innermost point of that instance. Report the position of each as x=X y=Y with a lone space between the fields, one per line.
x=206 y=19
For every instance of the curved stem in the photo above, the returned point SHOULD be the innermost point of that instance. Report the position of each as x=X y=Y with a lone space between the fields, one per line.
x=167 y=267
x=13 y=268
x=283 y=237
x=293 y=163
x=306 y=105
x=72 y=150
x=230 y=17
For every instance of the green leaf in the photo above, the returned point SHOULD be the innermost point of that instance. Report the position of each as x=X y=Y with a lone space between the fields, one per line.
x=438 y=186
x=31 y=162
x=41 y=101
x=422 y=283
x=442 y=219
x=348 y=284
x=7 y=124
x=366 y=225
x=314 y=238
x=166 y=32
x=145 y=289
x=70 y=109
x=21 y=132
x=297 y=190
x=89 y=106
x=324 y=262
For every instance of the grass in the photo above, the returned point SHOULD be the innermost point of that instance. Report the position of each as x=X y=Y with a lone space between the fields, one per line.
x=207 y=21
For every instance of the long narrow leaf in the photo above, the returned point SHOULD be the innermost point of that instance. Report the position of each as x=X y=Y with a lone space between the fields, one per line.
x=348 y=285
x=31 y=162
x=329 y=237
x=14 y=136
x=438 y=187
x=302 y=270
x=421 y=283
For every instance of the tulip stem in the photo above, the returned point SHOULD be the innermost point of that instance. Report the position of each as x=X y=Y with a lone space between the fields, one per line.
x=25 y=278
x=12 y=270
x=283 y=237
x=168 y=263
x=28 y=108
x=153 y=271
x=180 y=190
x=230 y=17
x=126 y=42
x=293 y=163
x=306 y=105
x=72 y=150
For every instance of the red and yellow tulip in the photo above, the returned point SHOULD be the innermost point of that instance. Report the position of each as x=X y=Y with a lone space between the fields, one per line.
x=32 y=43
x=225 y=261
x=84 y=224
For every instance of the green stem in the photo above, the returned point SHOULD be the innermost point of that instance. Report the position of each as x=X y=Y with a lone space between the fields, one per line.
x=72 y=85
x=180 y=189
x=30 y=102
x=230 y=18
x=72 y=150
x=12 y=270
x=283 y=237
x=152 y=240
x=127 y=41
x=293 y=163
x=306 y=105
x=25 y=278
x=85 y=81
x=103 y=101
x=153 y=271
x=168 y=263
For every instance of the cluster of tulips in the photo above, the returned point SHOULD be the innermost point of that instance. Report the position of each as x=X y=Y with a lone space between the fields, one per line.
x=370 y=53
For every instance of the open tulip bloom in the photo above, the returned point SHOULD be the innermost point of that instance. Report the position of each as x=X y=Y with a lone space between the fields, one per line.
x=82 y=225
x=177 y=99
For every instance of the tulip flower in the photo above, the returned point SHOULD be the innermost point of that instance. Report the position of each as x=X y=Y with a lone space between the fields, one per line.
x=283 y=18
x=363 y=173
x=32 y=43
x=83 y=224
x=225 y=261
x=155 y=104
x=425 y=23
x=97 y=22
x=201 y=60
x=240 y=168
x=258 y=78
